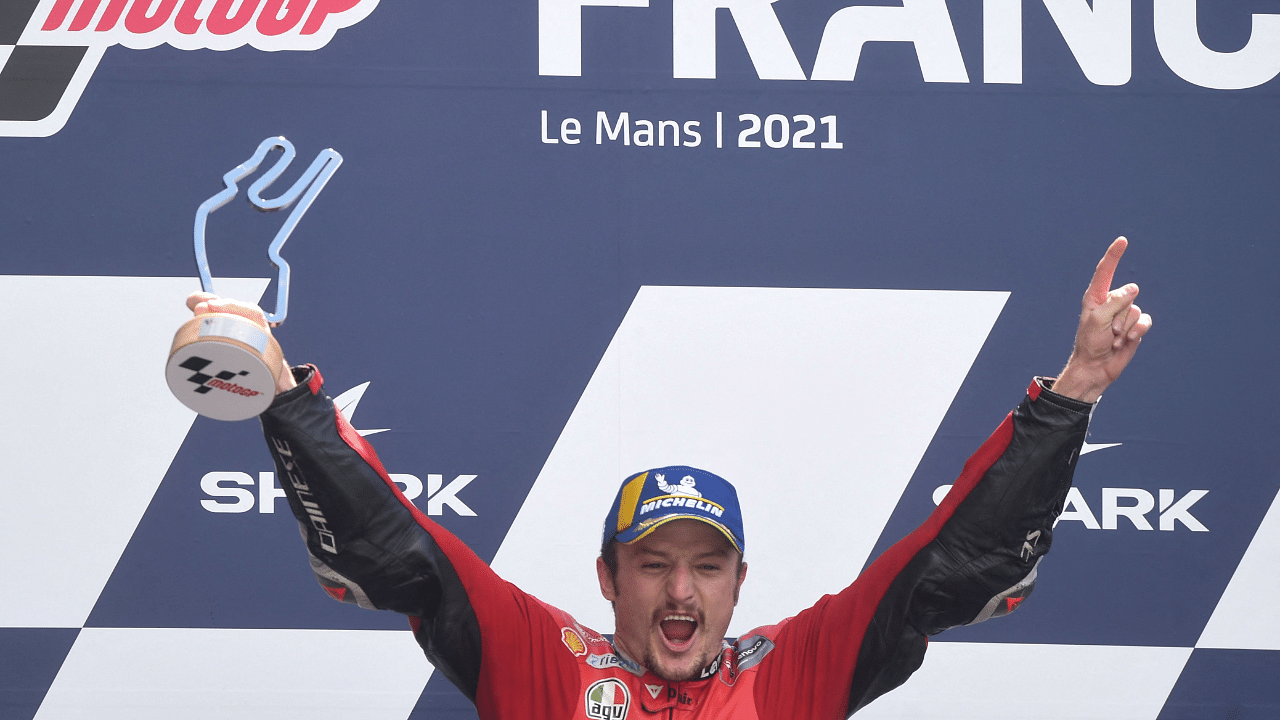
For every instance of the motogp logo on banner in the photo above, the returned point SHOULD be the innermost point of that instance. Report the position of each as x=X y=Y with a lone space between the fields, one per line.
x=61 y=42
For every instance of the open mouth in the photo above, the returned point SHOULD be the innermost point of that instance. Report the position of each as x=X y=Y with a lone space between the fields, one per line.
x=678 y=631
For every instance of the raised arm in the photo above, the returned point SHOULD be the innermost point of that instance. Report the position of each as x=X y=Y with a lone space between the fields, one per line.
x=366 y=543
x=977 y=556
x=1003 y=525
x=370 y=546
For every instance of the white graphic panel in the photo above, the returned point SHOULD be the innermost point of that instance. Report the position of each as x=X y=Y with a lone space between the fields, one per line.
x=980 y=681
x=1246 y=617
x=169 y=673
x=89 y=429
x=816 y=403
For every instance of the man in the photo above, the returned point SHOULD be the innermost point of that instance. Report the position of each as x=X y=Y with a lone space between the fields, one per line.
x=672 y=562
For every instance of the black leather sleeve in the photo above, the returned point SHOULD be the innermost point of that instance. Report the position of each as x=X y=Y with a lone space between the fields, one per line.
x=985 y=559
x=367 y=544
x=978 y=554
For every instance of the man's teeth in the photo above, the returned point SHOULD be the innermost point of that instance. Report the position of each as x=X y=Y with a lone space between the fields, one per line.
x=679 y=628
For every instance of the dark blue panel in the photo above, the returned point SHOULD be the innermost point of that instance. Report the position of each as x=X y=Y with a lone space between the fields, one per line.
x=1228 y=684
x=29 y=661
x=442 y=701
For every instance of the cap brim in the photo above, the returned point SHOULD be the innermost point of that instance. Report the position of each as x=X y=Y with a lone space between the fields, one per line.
x=679 y=516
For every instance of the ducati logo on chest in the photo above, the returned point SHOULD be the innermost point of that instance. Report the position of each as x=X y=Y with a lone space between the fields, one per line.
x=608 y=700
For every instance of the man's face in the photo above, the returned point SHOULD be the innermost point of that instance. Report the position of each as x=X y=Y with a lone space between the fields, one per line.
x=673 y=597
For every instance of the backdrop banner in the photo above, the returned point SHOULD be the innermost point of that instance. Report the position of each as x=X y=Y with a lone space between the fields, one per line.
x=818 y=248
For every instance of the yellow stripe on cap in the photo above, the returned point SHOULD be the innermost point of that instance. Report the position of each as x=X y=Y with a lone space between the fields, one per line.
x=668 y=518
x=630 y=501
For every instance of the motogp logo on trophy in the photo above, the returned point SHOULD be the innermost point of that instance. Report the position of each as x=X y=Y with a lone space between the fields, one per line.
x=53 y=46
x=206 y=383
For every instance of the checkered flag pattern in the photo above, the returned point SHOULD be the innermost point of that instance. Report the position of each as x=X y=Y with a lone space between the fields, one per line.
x=196 y=363
x=33 y=78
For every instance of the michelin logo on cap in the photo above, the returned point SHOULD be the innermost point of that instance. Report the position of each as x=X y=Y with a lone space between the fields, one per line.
x=683 y=495
x=646 y=501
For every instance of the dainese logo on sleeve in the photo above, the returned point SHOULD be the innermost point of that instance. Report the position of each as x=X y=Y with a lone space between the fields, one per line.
x=50 y=48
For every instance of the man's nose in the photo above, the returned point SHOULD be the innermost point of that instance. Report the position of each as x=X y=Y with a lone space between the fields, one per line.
x=680 y=583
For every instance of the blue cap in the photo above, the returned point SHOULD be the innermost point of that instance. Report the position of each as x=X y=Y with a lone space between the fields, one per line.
x=650 y=499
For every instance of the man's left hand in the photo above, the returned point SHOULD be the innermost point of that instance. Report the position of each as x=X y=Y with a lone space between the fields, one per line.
x=1111 y=328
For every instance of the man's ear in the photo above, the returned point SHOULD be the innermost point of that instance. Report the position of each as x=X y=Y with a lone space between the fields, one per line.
x=606 y=580
x=742 y=575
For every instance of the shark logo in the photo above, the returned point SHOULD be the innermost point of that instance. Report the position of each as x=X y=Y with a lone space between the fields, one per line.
x=1132 y=504
x=228 y=492
x=50 y=48
x=347 y=403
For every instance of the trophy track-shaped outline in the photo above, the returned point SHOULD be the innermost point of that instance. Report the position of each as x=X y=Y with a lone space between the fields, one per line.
x=303 y=191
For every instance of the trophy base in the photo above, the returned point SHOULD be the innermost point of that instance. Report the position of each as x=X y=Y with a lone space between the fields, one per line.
x=224 y=366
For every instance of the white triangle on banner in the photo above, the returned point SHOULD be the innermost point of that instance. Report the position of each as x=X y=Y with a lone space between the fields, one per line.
x=816 y=403
x=1245 y=618
x=76 y=487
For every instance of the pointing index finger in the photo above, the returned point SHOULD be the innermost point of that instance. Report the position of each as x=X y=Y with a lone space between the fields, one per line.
x=1100 y=286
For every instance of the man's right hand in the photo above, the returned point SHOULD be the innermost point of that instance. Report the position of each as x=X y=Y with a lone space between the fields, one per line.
x=202 y=303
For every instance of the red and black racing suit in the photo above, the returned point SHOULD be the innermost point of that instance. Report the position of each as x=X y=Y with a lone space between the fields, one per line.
x=975 y=557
